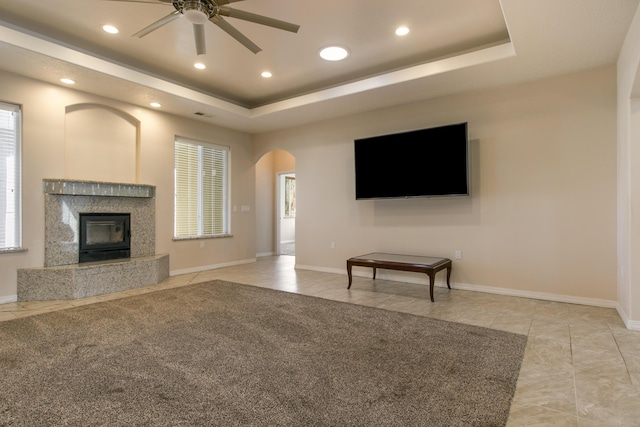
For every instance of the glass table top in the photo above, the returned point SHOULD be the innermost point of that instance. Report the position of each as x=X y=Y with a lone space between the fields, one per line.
x=407 y=259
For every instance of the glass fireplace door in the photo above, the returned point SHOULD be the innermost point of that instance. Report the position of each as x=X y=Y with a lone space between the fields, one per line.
x=104 y=236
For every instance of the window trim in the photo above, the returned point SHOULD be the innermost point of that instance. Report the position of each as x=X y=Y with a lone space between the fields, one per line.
x=226 y=210
x=17 y=109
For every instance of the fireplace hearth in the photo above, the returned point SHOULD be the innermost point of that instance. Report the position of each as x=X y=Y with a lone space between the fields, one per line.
x=104 y=236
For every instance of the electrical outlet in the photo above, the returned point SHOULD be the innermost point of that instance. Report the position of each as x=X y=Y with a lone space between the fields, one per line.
x=201 y=245
x=458 y=254
x=332 y=245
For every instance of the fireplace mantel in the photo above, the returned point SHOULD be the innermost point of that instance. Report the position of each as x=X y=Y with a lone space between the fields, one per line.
x=96 y=188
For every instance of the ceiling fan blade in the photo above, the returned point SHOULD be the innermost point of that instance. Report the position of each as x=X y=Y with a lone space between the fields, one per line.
x=258 y=19
x=233 y=32
x=198 y=33
x=170 y=17
x=220 y=2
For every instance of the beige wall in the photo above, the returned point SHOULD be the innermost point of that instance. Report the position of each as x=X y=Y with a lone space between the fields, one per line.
x=265 y=206
x=541 y=220
x=44 y=141
x=628 y=176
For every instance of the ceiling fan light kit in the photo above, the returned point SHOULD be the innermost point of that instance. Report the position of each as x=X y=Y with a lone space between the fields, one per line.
x=195 y=12
x=199 y=12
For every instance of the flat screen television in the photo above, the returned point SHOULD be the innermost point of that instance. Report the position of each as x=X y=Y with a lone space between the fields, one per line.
x=422 y=163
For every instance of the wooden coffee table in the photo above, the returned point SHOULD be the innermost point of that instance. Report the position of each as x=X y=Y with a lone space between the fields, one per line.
x=420 y=264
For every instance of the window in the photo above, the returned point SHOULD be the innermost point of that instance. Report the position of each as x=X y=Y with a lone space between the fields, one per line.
x=290 y=196
x=201 y=189
x=10 y=186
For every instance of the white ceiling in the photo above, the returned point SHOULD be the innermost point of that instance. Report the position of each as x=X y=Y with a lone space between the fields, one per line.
x=453 y=46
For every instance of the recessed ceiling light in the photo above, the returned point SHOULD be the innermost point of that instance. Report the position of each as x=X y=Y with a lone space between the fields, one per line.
x=199 y=65
x=334 y=53
x=266 y=74
x=67 y=81
x=402 y=31
x=155 y=105
x=110 y=29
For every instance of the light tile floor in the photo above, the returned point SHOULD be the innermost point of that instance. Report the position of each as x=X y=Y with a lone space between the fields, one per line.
x=581 y=366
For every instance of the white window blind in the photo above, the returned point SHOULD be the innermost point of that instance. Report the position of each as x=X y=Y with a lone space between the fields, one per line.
x=201 y=189
x=10 y=174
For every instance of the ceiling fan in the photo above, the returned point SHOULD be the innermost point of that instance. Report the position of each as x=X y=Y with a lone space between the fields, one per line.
x=198 y=12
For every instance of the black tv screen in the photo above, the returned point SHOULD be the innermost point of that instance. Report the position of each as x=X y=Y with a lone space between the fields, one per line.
x=422 y=163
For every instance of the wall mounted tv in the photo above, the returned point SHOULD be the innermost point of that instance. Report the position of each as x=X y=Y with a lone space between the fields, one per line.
x=422 y=163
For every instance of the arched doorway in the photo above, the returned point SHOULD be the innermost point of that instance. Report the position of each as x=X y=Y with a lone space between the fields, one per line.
x=275 y=204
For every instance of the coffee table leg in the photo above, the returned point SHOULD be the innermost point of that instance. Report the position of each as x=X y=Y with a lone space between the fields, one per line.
x=448 y=277
x=431 y=283
x=349 y=274
x=374 y=273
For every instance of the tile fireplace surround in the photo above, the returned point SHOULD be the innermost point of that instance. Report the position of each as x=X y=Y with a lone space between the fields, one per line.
x=62 y=277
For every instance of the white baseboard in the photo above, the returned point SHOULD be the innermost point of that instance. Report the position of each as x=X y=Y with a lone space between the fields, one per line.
x=264 y=254
x=211 y=267
x=633 y=325
x=595 y=302
x=440 y=282
x=322 y=269
x=8 y=299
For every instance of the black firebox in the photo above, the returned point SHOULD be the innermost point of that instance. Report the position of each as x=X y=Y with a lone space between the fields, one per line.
x=104 y=236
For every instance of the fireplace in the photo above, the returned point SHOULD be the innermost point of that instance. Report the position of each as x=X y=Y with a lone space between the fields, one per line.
x=104 y=236
x=62 y=277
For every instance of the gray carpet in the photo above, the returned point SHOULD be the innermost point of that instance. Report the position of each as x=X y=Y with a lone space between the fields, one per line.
x=224 y=354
